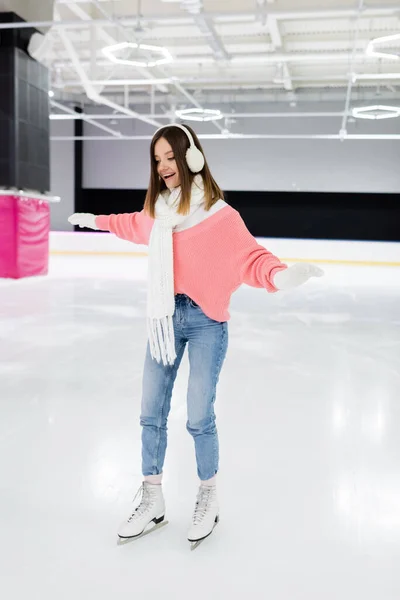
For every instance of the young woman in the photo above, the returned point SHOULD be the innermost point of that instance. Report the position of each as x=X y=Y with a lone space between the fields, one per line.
x=200 y=252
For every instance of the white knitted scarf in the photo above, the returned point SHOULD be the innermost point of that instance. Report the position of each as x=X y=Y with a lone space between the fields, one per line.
x=161 y=293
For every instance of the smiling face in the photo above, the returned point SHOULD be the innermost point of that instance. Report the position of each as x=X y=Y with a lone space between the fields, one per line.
x=166 y=163
x=169 y=169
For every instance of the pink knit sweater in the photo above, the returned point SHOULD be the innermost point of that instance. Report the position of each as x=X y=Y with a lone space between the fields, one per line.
x=211 y=259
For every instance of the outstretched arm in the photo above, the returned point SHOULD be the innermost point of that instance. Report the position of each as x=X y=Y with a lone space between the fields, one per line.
x=260 y=268
x=134 y=227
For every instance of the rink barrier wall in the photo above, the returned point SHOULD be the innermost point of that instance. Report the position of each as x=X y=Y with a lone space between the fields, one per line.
x=277 y=214
x=333 y=252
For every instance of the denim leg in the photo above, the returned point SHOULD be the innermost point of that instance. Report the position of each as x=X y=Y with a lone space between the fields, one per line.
x=158 y=383
x=208 y=345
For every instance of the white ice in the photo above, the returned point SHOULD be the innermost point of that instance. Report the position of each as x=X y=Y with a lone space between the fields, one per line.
x=308 y=411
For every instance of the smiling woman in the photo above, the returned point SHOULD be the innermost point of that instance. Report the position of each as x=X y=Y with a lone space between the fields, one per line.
x=176 y=156
x=200 y=252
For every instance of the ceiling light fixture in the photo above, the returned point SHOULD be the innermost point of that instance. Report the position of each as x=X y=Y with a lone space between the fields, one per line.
x=192 y=6
x=371 y=51
x=357 y=76
x=199 y=114
x=162 y=55
x=377 y=111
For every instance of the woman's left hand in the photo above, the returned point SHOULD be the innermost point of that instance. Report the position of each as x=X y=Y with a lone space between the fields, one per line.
x=296 y=275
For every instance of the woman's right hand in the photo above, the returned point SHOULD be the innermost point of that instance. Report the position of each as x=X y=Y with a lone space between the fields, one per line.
x=296 y=275
x=83 y=220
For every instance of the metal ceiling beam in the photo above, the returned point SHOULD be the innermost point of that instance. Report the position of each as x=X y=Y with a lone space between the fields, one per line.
x=71 y=23
x=262 y=58
x=253 y=59
x=206 y=26
x=88 y=118
x=241 y=99
x=211 y=97
x=106 y=37
x=145 y=72
x=120 y=82
x=247 y=115
x=91 y=93
x=239 y=136
x=277 y=42
x=343 y=131
x=218 y=81
x=369 y=11
x=89 y=88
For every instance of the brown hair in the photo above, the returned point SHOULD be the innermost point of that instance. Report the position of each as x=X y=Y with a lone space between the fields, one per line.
x=179 y=143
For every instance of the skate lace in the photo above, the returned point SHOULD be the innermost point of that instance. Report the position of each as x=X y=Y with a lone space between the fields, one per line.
x=144 y=504
x=203 y=501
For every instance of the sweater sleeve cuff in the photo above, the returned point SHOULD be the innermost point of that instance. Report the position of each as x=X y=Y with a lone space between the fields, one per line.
x=102 y=222
x=274 y=271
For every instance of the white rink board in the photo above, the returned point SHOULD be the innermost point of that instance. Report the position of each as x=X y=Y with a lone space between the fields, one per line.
x=287 y=249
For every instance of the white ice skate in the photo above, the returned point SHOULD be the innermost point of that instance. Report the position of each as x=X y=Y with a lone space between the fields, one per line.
x=205 y=516
x=151 y=509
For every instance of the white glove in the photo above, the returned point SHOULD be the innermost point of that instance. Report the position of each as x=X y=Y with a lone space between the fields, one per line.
x=83 y=220
x=296 y=275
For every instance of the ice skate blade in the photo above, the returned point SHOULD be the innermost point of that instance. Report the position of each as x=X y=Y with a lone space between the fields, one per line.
x=122 y=541
x=196 y=543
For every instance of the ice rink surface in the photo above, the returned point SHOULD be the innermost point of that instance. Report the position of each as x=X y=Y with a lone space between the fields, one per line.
x=308 y=411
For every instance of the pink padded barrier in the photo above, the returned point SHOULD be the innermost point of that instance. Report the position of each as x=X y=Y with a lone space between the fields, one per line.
x=24 y=236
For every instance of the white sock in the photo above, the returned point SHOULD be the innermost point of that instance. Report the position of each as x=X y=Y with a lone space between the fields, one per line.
x=153 y=479
x=210 y=482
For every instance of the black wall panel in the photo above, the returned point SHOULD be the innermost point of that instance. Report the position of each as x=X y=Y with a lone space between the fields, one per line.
x=24 y=116
x=309 y=215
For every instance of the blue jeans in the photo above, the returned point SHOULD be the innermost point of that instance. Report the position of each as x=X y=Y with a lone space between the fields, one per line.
x=208 y=342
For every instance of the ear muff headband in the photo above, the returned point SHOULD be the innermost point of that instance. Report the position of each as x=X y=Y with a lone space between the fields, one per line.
x=194 y=158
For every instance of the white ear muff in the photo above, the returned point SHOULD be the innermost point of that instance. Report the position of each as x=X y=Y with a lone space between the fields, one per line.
x=194 y=157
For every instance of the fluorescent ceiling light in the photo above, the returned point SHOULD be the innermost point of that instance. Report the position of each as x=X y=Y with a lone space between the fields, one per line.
x=375 y=76
x=371 y=50
x=196 y=5
x=57 y=117
x=199 y=114
x=376 y=111
x=163 y=54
